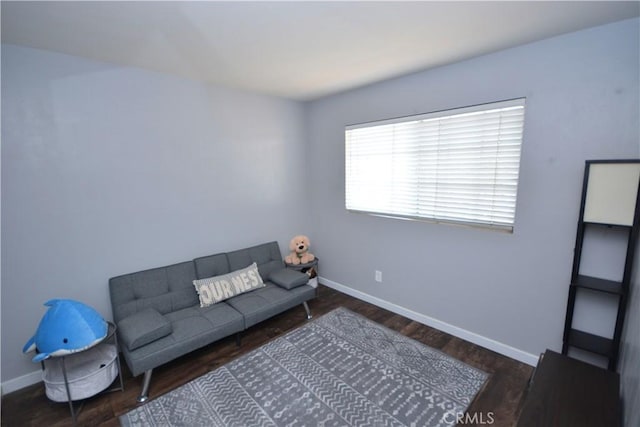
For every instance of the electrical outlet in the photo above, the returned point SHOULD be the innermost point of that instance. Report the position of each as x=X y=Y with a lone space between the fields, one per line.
x=378 y=276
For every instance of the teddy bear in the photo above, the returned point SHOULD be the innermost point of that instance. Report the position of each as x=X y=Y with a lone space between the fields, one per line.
x=300 y=254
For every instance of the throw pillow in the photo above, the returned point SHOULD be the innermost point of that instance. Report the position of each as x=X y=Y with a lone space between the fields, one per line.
x=143 y=328
x=220 y=288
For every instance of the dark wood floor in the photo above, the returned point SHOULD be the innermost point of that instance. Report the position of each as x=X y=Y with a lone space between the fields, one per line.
x=500 y=400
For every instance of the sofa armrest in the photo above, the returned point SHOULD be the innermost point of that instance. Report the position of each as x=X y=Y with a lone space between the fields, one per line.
x=143 y=328
x=288 y=279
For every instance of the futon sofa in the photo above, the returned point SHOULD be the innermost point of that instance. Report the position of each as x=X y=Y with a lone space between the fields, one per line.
x=160 y=315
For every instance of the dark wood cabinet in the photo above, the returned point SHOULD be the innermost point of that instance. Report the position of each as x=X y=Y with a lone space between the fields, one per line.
x=566 y=392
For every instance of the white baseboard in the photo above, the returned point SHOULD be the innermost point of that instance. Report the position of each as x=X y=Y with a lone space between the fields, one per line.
x=480 y=340
x=530 y=359
x=21 y=382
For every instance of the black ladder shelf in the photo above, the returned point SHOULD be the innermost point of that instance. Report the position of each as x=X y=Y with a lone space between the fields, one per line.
x=610 y=198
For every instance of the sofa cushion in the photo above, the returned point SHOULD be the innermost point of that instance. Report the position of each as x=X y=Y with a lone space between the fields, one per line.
x=266 y=302
x=219 y=288
x=143 y=328
x=266 y=255
x=212 y=265
x=165 y=289
x=193 y=328
x=288 y=279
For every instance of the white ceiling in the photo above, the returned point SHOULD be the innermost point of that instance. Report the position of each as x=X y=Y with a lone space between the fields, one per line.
x=298 y=50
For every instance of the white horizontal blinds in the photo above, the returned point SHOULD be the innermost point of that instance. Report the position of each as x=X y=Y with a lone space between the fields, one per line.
x=458 y=165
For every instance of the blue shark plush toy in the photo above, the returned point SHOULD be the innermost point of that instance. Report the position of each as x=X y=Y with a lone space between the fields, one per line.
x=68 y=326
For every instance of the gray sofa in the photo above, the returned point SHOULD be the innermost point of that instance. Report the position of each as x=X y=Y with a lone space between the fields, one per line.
x=158 y=311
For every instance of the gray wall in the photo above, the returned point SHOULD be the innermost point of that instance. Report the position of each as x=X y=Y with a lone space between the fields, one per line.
x=582 y=103
x=108 y=170
x=630 y=355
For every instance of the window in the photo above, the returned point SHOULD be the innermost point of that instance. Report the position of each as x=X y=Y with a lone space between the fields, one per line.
x=456 y=166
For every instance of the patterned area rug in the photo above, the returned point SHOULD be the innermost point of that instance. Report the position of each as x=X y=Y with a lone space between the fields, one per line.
x=340 y=369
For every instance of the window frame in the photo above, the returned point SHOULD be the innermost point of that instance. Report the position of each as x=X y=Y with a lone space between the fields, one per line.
x=508 y=106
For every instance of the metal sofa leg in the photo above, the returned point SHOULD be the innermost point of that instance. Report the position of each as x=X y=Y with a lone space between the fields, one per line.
x=238 y=339
x=306 y=308
x=144 y=394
